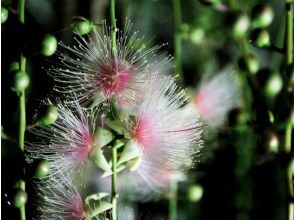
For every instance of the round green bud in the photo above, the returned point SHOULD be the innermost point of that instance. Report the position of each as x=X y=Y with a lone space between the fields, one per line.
x=195 y=193
x=197 y=35
x=4 y=14
x=49 y=117
x=82 y=25
x=21 y=81
x=240 y=25
x=49 y=45
x=249 y=63
x=41 y=168
x=260 y=37
x=13 y=66
x=273 y=143
x=273 y=85
x=262 y=15
x=20 y=198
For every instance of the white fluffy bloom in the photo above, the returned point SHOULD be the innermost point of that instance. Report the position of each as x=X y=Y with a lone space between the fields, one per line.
x=57 y=200
x=166 y=126
x=217 y=96
x=97 y=76
x=66 y=143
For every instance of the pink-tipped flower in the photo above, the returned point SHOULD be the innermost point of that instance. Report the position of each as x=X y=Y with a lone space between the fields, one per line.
x=58 y=200
x=96 y=75
x=166 y=126
x=216 y=97
x=65 y=144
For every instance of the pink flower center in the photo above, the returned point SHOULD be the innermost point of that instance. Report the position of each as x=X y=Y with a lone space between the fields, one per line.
x=75 y=209
x=113 y=77
x=145 y=134
x=203 y=104
x=84 y=148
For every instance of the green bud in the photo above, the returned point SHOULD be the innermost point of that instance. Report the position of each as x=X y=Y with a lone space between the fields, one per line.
x=240 y=25
x=20 y=198
x=273 y=85
x=49 y=45
x=260 y=38
x=4 y=14
x=97 y=157
x=41 y=168
x=49 y=117
x=13 y=66
x=102 y=137
x=117 y=126
x=195 y=193
x=21 y=81
x=130 y=152
x=271 y=117
x=273 y=143
x=249 y=63
x=262 y=15
x=134 y=163
x=82 y=25
x=197 y=35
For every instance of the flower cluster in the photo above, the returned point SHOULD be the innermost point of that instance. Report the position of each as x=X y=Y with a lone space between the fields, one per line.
x=159 y=126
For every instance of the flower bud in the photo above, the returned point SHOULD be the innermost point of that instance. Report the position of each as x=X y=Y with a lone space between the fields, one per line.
x=21 y=81
x=13 y=66
x=134 y=163
x=249 y=63
x=240 y=25
x=273 y=85
x=130 y=152
x=195 y=193
x=260 y=37
x=262 y=15
x=97 y=157
x=4 y=14
x=273 y=144
x=49 y=117
x=197 y=35
x=102 y=137
x=82 y=25
x=41 y=168
x=20 y=198
x=49 y=45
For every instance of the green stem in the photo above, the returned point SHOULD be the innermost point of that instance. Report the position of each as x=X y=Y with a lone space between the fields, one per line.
x=289 y=32
x=113 y=27
x=173 y=197
x=177 y=37
x=22 y=101
x=114 y=194
x=288 y=129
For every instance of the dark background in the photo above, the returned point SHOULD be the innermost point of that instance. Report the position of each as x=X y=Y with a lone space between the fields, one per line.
x=242 y=179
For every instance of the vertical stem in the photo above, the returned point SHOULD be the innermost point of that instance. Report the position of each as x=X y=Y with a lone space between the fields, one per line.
x=114 y=194
x=288 y=129
x=289 y=32
x=113 y=26
x=173 y=195
x=177 y=37
x=22 y=99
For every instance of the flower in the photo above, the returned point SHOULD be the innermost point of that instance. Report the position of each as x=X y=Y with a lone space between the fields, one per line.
x=66 y=143
x=217 y=96
x=166 y=126
x=96 y=75
x=58 y=200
